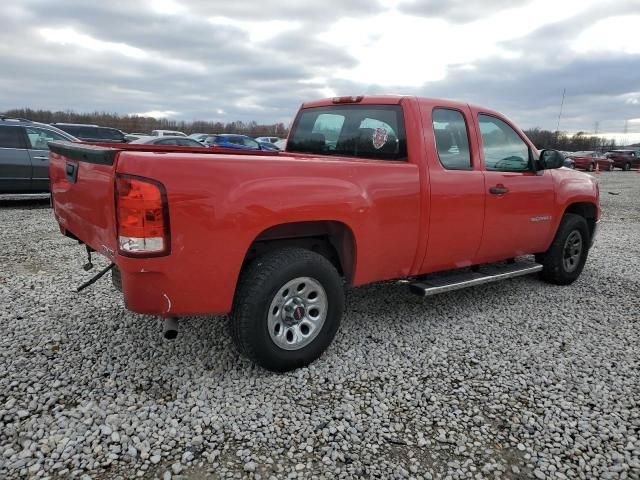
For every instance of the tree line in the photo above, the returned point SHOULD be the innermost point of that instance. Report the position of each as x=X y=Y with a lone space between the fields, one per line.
x=136 y=123
x=577 y=142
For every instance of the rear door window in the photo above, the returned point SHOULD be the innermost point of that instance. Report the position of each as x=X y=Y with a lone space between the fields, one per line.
x=11 y=137
x=71 y=129
x=39 y=138
x=109 y=134
x=452 y=139
x=249 y=142
x=365 y=131
x=188 y=142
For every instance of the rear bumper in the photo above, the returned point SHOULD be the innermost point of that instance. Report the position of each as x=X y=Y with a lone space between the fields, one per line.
x=165 y=287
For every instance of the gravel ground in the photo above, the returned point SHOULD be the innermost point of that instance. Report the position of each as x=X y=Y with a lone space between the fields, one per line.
x=517 y=379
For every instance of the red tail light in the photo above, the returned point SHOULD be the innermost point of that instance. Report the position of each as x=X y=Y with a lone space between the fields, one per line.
x=142 y=217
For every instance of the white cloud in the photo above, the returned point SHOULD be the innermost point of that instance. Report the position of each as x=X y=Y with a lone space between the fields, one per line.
x=250 y=102
x=398 y=49
x=258 y=31
x=157 y=113
x=619 y=34
x=68 y=36
x=167 y=7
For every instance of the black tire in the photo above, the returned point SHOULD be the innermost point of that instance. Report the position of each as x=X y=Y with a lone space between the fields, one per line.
x=257 y=288
x=590 y=167
x=627 y=167
x=611 y=168
x=116 y=278
x=554 y=261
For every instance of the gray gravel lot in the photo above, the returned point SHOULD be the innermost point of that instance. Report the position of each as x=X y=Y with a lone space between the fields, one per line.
x=517 y=379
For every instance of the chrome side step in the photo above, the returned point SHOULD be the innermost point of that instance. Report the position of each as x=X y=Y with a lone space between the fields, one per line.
x=447 y=282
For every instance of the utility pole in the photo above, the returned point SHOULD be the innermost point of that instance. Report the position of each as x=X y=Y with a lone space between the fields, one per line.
x=564 y=90
x=596 y=128
x=626 y=130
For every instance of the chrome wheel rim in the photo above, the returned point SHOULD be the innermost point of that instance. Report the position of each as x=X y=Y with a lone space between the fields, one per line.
x=297 y=313
x=572 y=251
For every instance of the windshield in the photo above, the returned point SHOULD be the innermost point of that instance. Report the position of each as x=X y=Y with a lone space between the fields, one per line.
x=365 y=131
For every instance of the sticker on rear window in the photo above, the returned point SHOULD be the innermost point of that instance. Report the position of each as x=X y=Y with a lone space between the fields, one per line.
x=379 y=138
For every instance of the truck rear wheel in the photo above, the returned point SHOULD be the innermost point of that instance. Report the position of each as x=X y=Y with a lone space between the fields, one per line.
x=287 y=308
x=565 y=259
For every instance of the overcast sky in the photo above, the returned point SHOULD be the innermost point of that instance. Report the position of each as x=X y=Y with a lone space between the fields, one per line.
x=250 y=60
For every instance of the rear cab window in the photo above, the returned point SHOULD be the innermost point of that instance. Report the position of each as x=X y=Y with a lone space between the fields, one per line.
x=362 y=131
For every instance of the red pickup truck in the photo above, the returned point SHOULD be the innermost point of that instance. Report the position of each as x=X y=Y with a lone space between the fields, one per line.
x=370 y=188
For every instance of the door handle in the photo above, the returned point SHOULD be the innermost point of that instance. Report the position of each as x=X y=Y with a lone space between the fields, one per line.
x=41 y=158
x=499 y=190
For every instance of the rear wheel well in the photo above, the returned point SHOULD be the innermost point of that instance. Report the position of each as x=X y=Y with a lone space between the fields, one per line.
x=333 y=240
x=586 y=210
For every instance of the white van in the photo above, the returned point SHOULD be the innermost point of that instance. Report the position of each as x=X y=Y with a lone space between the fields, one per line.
x=167 y=133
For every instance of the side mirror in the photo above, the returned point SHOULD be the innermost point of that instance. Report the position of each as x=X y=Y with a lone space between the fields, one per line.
x=550 y=159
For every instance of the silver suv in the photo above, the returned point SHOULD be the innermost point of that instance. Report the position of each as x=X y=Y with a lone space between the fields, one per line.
x=24 y=154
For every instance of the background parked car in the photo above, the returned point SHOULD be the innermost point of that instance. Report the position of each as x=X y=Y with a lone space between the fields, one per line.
x=166 y=140
x=281 y=144
x=588 y=160
x=24 y=154
x=200 y=136
x=239 y=142
x=92 y=133
x=268 y=139
x=569 y=163
x=167 y=133
x=130 y=137
x=625 y=159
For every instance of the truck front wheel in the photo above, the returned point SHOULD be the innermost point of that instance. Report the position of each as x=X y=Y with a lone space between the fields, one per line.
x=287 y=308
x=565 y=259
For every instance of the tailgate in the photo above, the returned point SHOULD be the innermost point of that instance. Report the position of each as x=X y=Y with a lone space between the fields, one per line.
x=82 y=193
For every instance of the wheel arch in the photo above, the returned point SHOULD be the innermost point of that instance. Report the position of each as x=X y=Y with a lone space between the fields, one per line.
x=587 y=210
x=330 y=238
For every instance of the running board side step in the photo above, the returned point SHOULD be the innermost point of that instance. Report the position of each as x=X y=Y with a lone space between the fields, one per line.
x=447 y=282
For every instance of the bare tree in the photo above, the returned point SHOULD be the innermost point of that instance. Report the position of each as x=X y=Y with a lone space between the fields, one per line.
x=135 y=123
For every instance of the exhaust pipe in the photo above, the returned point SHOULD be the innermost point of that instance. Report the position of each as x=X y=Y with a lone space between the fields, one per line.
x=170 y=330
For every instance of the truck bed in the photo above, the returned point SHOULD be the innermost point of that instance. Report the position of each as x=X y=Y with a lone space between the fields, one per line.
x=218 y=208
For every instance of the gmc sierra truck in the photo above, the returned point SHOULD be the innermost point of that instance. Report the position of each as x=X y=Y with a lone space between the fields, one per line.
x=439 y=194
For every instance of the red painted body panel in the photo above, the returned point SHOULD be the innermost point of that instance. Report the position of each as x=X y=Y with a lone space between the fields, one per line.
x=406 y=218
